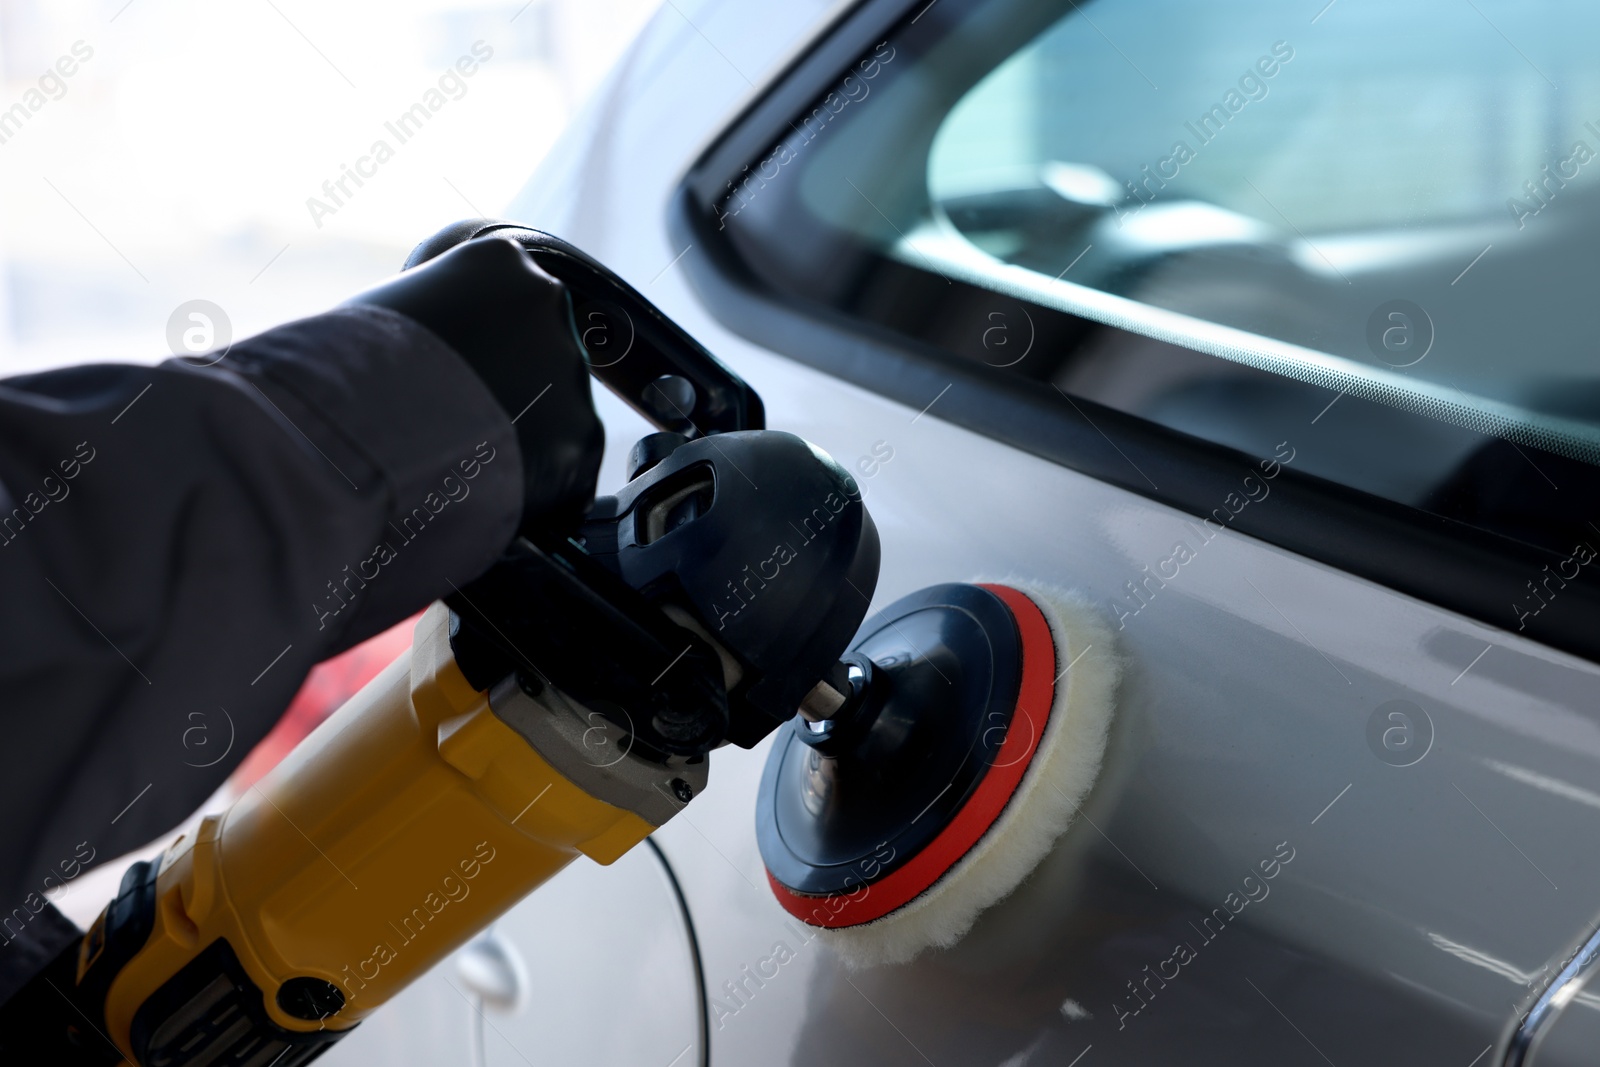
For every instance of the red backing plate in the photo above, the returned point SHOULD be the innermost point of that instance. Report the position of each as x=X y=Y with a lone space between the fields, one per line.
x=1035 y=696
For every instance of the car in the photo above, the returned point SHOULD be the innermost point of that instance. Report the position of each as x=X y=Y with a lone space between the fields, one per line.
x=1267 y=329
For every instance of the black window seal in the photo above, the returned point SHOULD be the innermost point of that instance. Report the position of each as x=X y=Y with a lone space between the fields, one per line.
x=1455 y=566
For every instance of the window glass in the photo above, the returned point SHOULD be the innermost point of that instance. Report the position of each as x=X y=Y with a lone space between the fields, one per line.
x=1399 y=185
x=1372 y=231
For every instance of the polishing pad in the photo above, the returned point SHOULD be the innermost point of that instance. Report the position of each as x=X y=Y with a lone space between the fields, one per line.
x=977 y=728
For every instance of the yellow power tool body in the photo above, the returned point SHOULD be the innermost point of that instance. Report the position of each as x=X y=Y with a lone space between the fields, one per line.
x=401 y=827
x=564 y=703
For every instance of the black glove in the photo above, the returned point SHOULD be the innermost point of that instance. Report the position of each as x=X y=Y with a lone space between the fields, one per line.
x=512 y=323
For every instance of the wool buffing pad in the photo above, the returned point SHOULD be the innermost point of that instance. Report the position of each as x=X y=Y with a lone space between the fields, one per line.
x=978 y=728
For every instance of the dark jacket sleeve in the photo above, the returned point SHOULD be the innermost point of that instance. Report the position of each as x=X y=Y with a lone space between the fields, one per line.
x=180 y=544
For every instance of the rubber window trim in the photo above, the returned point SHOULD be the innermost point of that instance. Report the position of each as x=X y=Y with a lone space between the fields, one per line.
x=1443 y=562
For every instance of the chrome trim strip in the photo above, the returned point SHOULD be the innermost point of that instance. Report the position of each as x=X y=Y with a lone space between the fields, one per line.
x=1547 y=1008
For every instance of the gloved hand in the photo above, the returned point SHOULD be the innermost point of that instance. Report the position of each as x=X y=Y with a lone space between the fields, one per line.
x=512 y=323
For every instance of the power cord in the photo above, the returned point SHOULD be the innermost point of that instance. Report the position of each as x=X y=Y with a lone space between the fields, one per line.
x=694 y=950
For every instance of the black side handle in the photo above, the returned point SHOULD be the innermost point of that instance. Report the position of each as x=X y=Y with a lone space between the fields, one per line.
x=640 y=354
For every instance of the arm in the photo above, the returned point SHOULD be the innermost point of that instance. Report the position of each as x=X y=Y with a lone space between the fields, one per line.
x=180 y=544
x=302 y=494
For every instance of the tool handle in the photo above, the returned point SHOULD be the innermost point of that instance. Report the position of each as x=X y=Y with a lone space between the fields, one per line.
x=636 y=351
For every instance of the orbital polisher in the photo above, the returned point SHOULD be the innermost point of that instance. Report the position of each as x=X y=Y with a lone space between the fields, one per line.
x=566 y=703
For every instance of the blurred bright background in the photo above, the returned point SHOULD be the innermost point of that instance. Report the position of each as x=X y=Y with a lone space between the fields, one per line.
x=176 y=162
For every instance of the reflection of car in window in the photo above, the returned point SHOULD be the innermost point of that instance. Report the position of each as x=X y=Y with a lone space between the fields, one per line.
x=1344 y=234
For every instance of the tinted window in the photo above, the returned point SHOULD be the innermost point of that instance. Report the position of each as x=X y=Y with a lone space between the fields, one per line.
x=1372 y=235
x=1395 y=185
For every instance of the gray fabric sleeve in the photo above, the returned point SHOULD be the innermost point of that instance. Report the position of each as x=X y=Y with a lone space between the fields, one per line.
x=180 y=544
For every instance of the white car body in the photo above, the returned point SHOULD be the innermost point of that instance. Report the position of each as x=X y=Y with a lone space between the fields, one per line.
x=1426 y=908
